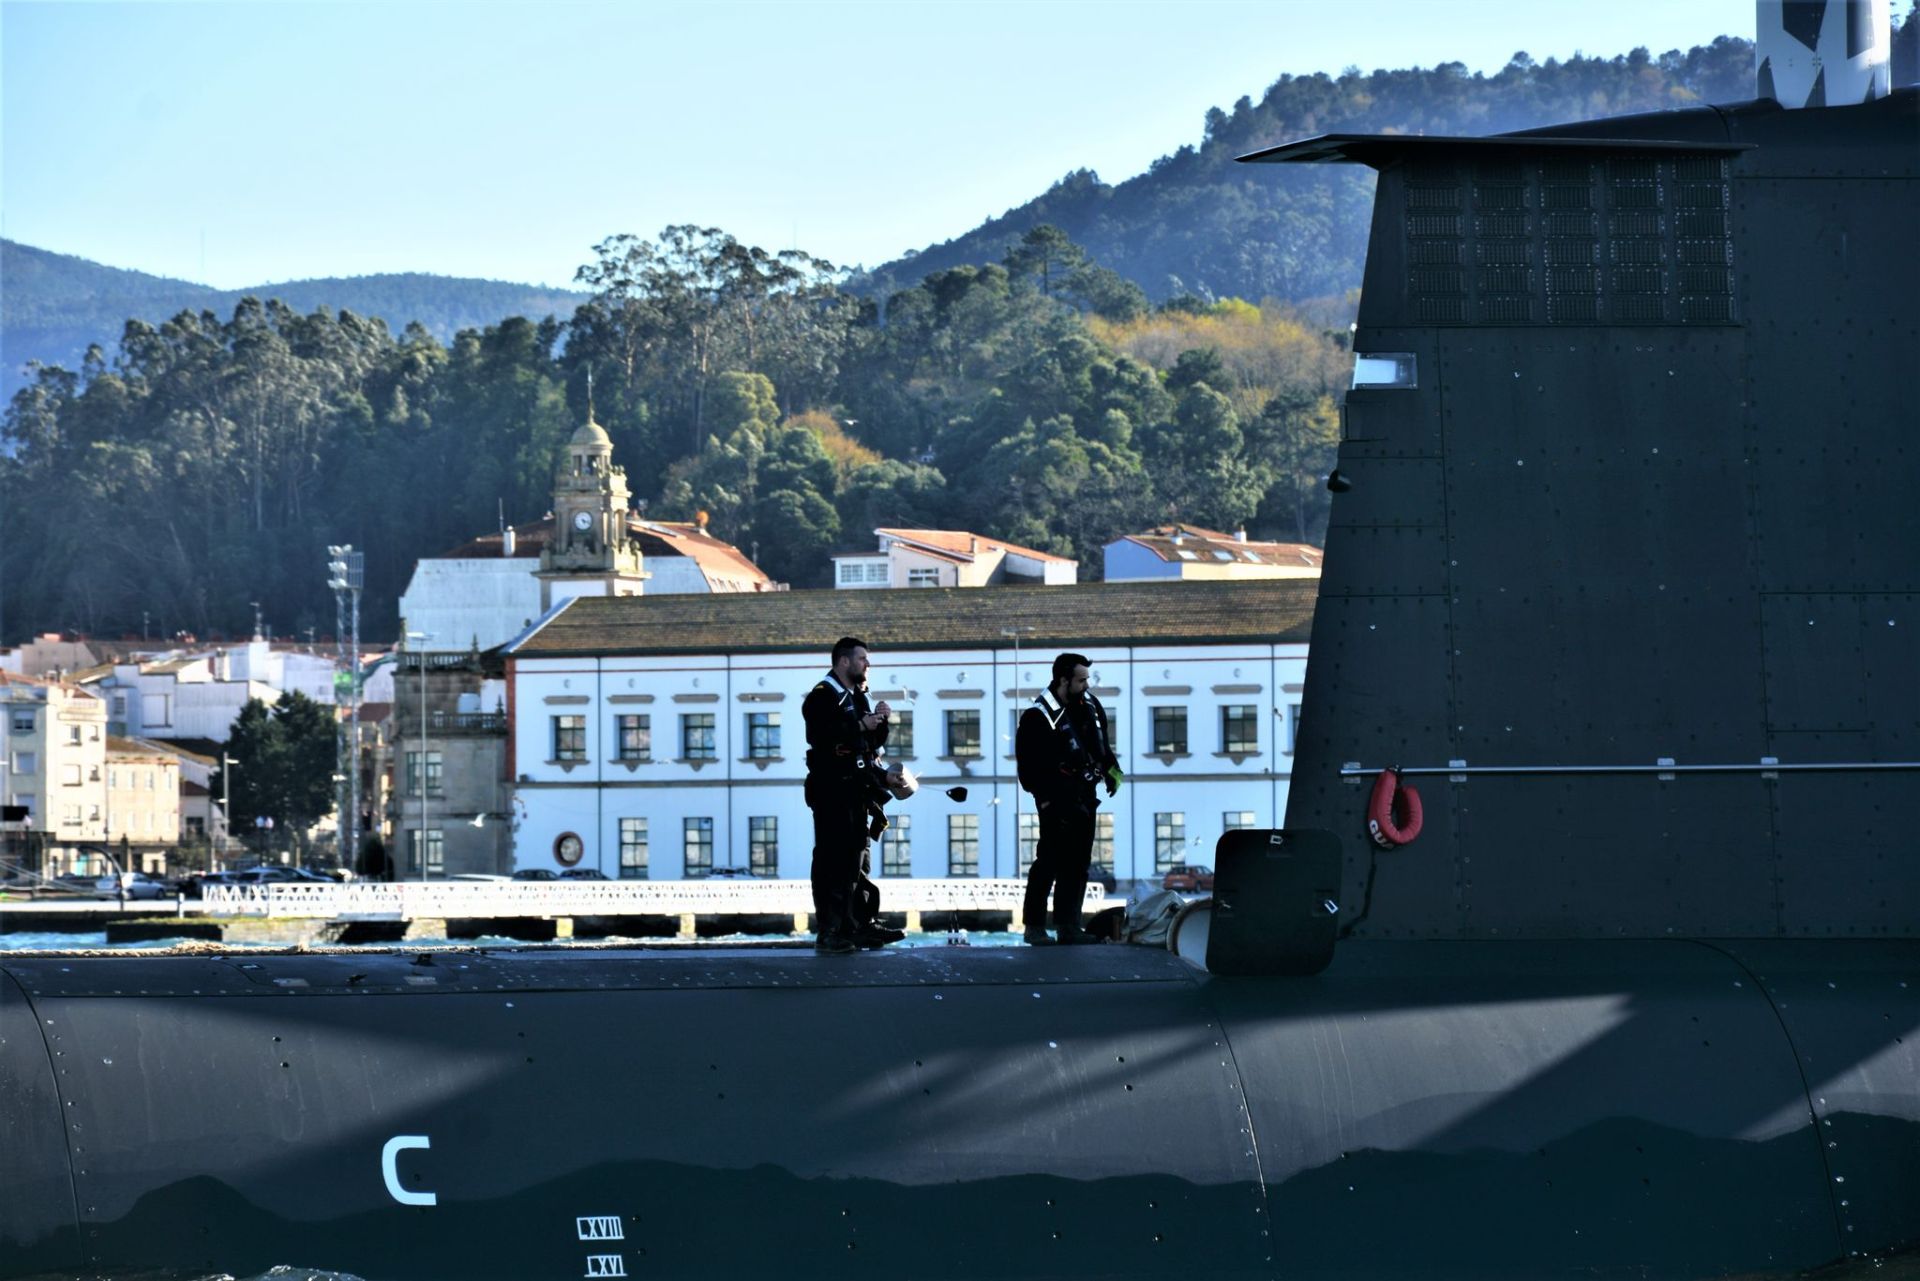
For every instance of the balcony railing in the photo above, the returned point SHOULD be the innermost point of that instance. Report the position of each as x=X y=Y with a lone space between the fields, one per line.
x=467 y=722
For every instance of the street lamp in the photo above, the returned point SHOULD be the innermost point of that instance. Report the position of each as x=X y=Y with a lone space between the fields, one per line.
x=227 y=766
x=420 y=773
x=1015 y=633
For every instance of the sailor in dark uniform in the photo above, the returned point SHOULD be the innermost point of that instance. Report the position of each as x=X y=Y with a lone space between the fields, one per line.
x=1064 y=751
x=845 y=736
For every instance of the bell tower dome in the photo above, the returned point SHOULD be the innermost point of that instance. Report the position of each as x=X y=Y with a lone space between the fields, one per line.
x=589 y=552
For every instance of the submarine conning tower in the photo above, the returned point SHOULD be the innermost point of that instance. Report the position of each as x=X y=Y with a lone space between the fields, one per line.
x=1623 y=567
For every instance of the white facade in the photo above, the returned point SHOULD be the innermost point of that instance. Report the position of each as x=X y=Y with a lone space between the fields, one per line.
x=947 y=558
x=56 y=754
x=694 y=795
x=200 y=696
x=464 y=603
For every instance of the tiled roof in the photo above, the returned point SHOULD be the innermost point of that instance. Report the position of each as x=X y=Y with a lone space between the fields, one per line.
x=958 y=544
x=46 y=682
x=205 y=751
x=1203 y=543
x=133 y=748
x=1080 y=615
x=714 y=556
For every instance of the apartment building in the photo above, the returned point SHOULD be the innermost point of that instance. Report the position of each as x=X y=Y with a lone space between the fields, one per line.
x=56 y=755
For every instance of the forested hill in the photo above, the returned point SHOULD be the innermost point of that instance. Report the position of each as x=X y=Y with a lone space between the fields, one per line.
x=1198 y=223
x=54 y=305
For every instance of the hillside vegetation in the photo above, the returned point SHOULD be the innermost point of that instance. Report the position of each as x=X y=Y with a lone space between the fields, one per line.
x=1188 y=365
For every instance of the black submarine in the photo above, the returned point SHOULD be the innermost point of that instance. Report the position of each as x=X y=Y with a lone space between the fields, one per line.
x=1623 y=579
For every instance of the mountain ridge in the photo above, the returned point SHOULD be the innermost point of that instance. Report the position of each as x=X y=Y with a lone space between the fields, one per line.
x=56 y=305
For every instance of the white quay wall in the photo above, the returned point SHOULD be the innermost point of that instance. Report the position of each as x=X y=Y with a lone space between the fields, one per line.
x=591 y=797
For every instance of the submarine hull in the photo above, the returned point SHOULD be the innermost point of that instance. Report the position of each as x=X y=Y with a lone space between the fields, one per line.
x=1448 y=1108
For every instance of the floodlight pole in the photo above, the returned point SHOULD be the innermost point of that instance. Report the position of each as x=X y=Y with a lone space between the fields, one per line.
x=420 y=773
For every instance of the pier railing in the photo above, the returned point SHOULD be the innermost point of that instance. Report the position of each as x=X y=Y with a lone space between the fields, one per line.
x=408 y=900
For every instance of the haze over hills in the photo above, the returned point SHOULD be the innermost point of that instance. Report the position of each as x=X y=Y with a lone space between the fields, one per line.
x=52 y=306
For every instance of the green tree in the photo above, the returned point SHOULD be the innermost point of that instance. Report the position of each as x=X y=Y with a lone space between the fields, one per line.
x=283 y=761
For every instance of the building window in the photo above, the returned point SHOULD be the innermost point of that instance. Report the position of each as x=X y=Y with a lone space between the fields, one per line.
x=696 y=737
x=1169 y=839
x=1239 y=729
x=697 y=845
x=26 y=762
x=1029 y=839
x=1103 y=842
x=569 y=738
x=900 y=736
x=963 y=845
x=963 y=732
x=22 y=720
x=763 y=736
x=1236 y=820
x=855 y=573
x=763 y=846
x=432 y=779
x=634 y=738
x=923 y=578
x=1293 y=725
x=70 y=776
x=113 y=779
x=1169 y=730
x=70 y=816
x=633 y=849
x=436 y=851
x=896 y=847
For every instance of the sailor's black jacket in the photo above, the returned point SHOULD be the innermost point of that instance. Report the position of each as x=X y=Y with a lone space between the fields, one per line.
x=840 y=752
x=1063 y=751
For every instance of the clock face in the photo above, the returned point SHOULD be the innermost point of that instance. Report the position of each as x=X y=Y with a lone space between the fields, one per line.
x=583 y=521
x=568 y=848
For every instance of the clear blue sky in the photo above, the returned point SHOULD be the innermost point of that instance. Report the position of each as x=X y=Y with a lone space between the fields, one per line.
x=240 y=144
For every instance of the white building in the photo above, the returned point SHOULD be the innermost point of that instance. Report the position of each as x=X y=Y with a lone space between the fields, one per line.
x=55 y=768
x=949 y=558
x=661 y=737
x=193 y=696
x=489 y=590
x=1189 y=552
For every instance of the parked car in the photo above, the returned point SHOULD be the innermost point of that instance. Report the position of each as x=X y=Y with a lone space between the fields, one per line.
x=535 y=874
x=731 y=873
x=192 y=885
x=1104 y=878
x=583 y=874
x=139 y=886
x=1191 y=877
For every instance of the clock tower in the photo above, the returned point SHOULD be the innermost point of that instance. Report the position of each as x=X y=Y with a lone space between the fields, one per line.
x=589 y=552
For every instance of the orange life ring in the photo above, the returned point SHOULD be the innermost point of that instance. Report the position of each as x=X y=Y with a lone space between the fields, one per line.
x=1394 y=814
